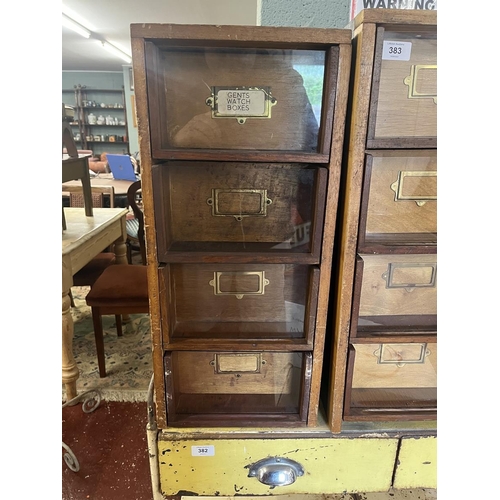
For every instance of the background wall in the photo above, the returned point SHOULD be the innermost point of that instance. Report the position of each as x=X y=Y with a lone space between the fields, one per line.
x=105 y=80
x=301 y=13
x=306 y=13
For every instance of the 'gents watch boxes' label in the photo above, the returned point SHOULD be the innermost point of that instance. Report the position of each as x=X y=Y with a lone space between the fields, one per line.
x=241 y=103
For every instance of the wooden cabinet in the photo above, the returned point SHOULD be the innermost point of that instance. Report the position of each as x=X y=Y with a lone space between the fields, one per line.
x=241 y=134
x=384 y=304
x=100 y=122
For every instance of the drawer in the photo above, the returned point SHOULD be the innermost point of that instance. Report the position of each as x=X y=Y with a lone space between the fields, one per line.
x=237 y=388
x=206 y=95
x=403 y=110
x=395 y=291
x=247 y=304
x=214 y=207
x=391 y=381
x=399 y=200
x=329 y=465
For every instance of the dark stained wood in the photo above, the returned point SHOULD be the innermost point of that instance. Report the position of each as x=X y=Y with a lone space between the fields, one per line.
x=308 y=38
x=335 y=167
x=349 y=199
x=188 y=320
x=394 y=16
x=387 y=327
x=139 y=69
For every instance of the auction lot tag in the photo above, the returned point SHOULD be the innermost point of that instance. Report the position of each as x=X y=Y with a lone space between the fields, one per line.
x=203 y=451
x=398 y=51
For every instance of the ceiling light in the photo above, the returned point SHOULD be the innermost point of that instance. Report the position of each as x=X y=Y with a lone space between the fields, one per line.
x=117 y=52
x=76 y=27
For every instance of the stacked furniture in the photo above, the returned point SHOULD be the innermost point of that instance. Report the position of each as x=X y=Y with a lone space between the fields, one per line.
x=385 y=318
x=240 y=188
x=242 y=137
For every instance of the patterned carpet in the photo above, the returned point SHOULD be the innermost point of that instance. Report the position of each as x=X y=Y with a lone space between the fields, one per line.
x=129 y=363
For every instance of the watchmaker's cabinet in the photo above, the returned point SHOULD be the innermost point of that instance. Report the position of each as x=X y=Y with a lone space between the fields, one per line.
x=385 y=314
x=241 y=134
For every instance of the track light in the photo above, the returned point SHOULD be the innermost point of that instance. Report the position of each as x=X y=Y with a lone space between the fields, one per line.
x=76 y=27
x=117 y=52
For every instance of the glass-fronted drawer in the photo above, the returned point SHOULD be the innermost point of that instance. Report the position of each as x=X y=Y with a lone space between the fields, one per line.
x=391 y=381
x=403 y=109
x=206 y=208
x=244 y=388
x=247 y=304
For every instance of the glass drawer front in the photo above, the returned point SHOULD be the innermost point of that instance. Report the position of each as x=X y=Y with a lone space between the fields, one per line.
x=401 y=198
x=234 y=207
x=239 y=302
x=406 y=104
x=391 y=379
x=240 y=98
x=219 y=386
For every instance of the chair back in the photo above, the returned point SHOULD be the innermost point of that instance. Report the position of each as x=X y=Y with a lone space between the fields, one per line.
x=98 y=192
x=134 y=193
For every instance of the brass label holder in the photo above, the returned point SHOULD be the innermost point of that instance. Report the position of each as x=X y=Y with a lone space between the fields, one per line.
x=237 y=363
x=393 y=354
x=241 y=103
x=398 y=187
x=215 y=202
x=411 y=82
x=400 y=267
x=262 y=282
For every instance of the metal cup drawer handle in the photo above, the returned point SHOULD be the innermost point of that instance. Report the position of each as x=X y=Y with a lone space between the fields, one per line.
x=219 y=276
x=275 y=471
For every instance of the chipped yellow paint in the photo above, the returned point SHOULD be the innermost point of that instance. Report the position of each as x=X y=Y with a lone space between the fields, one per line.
x=331 y=465
x=417 y=463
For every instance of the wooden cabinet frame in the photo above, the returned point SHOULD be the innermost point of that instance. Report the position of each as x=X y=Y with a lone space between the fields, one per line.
x=329 y=155
x=365 y=28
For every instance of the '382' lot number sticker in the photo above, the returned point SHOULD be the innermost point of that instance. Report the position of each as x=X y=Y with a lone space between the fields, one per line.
x=396 y=51
x=203 y=451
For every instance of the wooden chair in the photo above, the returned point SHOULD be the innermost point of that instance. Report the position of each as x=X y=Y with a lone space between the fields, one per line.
x=120 y=289
x=91 y=271
x=136 y=224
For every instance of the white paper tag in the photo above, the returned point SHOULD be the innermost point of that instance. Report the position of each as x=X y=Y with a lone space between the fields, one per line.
x=396 y=51
x=203 y=451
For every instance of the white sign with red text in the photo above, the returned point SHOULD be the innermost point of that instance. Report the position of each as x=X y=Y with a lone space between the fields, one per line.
x=358 y=5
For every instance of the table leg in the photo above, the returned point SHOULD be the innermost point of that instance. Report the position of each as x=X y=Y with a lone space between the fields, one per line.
x=120 y=249
x=70 y=372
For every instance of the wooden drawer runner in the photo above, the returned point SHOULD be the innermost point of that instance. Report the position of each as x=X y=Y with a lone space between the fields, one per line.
x=240 y=302
x=399 y=204
x=204 y=207
x=395 y=290
x=217 y=388
x=230 y=98
x=404 y=92
x=391 y=381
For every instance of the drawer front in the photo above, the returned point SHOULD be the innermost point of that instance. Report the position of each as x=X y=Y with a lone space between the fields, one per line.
x=330 y=465
x=217 y=207
x=229 y=98
x=391 y=380
x=245 y=387
x=398 y=285
x=240 y=301
x=400 y=198
x=405 y=100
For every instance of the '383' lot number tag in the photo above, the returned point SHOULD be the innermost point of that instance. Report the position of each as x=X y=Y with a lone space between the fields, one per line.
x=396 y=51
